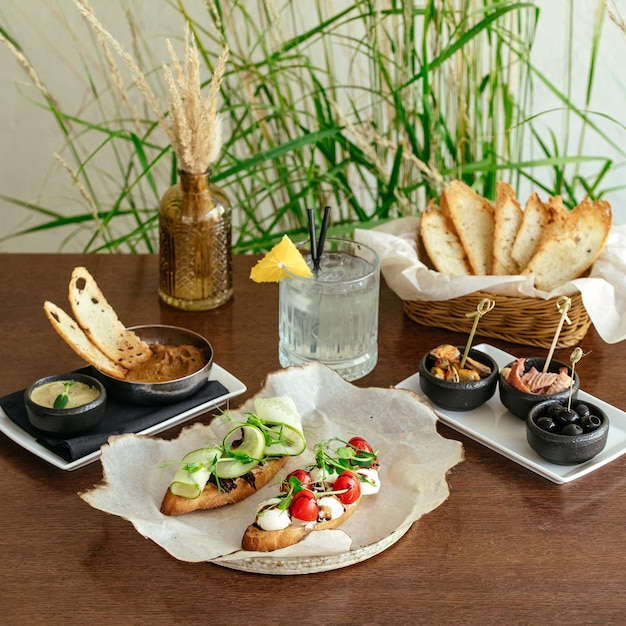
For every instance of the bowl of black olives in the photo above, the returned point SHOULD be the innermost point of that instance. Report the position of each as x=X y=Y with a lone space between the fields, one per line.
x=567 y=433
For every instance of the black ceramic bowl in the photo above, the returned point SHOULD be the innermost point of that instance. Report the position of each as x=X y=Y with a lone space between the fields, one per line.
x=564 y=449
x=458 y=396
x=159 y=393
x=519 y=402
x=69 y=420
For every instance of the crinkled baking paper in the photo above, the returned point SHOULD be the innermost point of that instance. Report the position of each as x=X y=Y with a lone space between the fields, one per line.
x=414 y=458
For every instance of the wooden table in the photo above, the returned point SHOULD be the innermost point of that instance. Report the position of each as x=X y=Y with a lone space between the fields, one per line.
x=507 y=546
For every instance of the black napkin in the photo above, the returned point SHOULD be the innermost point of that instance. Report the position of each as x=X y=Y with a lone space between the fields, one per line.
x=118 y=418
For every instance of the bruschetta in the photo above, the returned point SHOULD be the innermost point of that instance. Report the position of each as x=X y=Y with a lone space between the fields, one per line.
x=319 y=497
x=248 y=457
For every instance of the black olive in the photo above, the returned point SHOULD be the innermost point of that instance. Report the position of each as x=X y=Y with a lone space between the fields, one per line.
x=571 y=430
x=582 y=409
x=590 y=422
x=546 y=423
x=567 y=416
x=552 y=409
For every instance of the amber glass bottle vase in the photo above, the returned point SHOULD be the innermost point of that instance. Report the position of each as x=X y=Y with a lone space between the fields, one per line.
x=195 y=257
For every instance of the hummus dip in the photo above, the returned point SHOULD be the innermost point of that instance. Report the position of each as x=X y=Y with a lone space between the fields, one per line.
x=78 y=394
x=168 y=362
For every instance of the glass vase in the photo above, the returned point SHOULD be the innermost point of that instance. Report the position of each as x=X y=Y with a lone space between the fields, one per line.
x=195 y=257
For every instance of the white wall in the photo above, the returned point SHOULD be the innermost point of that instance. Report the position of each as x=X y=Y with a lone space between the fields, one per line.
x=28 y=137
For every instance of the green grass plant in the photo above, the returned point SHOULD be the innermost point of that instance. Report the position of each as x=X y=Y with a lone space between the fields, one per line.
x=366 y=106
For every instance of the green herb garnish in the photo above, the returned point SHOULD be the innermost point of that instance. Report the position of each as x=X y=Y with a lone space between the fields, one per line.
x=60 y=402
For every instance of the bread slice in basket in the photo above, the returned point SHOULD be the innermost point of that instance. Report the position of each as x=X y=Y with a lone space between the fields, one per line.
x=473 y=219
x=101 y=324
x=508 y=217
x=539 y=221
x=442 y=244
x=567 y=254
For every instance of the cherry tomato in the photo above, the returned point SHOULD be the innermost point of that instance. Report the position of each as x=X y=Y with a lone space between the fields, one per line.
x=348 y=483
x=301 y=475
x=304 y=506
x=360 y=444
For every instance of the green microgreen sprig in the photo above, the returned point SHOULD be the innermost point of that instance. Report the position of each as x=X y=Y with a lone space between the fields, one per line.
x=62 y=400
x=343 y=457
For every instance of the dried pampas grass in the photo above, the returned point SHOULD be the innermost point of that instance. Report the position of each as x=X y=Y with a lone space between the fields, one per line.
x=193 y=126
x=196 y=125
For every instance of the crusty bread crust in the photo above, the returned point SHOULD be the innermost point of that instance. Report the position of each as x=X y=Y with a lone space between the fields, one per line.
x=212 y=498
x=541 y=219
x=101 y=324
x=507 y=217
x=75 y=337
x=473 y=219
x=442 y=244
x=255 y=539
x=568 y=255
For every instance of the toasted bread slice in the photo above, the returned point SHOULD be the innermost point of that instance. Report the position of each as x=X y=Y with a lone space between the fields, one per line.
x=442 y=244
x=74 y=336
x=540 y=220
x=101 y=324
x=508 y=217
x=256 y=539
x=473 y=219
x=567 y=255
x=212 y=497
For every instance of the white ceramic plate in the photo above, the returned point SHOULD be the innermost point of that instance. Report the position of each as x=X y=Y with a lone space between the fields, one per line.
x=27 y=441
x=495 y=427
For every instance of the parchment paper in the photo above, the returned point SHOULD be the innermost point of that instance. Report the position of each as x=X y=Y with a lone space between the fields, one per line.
x=414 y=462
x=603 y=291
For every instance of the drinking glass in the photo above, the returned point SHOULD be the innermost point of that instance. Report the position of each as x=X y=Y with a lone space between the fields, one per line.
x=332 y=317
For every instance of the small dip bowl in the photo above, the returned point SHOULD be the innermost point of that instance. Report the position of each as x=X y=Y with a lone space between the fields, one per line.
x=520 y=402
x=166 y=392
x=84 y=409
x=463 y=396
x=547 y=427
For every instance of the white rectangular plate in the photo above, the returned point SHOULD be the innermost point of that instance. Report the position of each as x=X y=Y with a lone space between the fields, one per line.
x=27 y=441
x=495 y=427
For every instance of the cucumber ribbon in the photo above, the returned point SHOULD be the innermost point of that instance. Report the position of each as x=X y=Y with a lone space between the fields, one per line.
x=274 y=430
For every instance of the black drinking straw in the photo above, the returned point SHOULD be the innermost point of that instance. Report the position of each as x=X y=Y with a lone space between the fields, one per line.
x=317 y=249
x=312 y=237
x=322 y=239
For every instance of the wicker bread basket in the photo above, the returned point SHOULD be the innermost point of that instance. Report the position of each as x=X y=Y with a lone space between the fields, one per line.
x=524 y=320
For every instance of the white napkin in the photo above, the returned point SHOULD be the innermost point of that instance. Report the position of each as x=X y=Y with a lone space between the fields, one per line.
x=414 y=462
x=603 y=291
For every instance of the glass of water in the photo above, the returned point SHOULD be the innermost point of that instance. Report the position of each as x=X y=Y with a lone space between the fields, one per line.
x=332 y=317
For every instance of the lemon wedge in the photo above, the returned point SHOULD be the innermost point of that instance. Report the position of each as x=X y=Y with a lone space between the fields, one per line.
x=282 y=260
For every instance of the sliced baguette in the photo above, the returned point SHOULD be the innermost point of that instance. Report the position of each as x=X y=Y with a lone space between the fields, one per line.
x=508 y=217
x=255 y=539
x=69 y=330
x=568 y=254
x=101 y=324
x=442 y=244
x=212 y=497
x=540 y=220
x=473 y=219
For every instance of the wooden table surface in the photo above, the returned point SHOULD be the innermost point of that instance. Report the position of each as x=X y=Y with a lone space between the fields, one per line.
x=507 y=546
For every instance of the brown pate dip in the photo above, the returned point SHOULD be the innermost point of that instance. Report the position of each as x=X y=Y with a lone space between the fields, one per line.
x=168 y=362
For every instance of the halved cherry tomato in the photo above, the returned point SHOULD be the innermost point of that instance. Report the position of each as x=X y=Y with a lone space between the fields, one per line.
x=304 y=506
x=303 y=477
x=348 y=483
x=360 y=444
